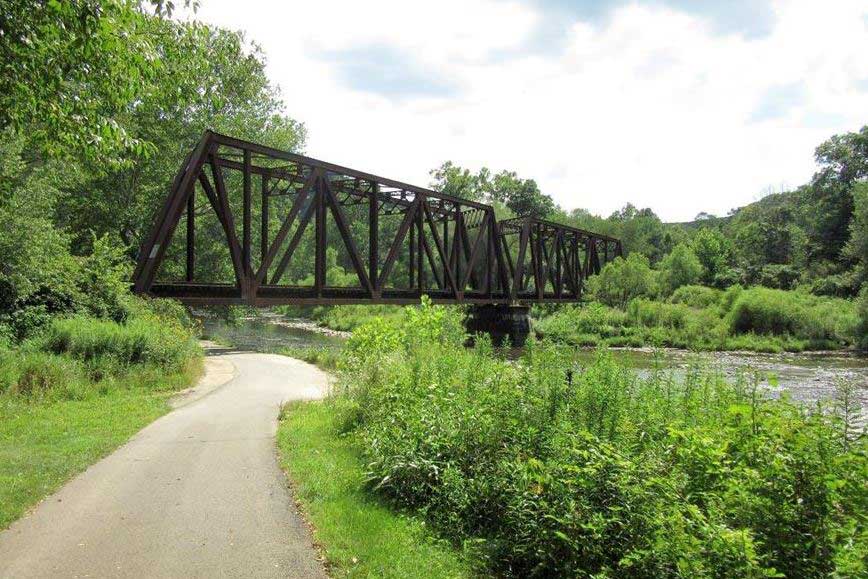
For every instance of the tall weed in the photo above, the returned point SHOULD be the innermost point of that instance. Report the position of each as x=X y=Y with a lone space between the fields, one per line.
x=549 y=468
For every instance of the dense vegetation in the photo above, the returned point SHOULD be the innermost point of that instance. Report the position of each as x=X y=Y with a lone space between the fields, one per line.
x=544 y=468
x=702 y=318
x=99 y=101
x=359 y=535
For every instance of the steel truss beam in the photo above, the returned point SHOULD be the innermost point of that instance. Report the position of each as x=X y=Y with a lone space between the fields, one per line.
x=453 y=249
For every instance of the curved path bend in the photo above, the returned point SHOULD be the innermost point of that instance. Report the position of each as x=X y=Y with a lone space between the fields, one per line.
x=198 y=493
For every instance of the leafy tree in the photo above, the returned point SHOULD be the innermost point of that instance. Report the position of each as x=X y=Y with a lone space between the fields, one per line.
x=714 y=252
x=457 y=181
x=37 y=273
x=68 y=68
x=844 y=158
x=522 y=196
x=207 y=79
x=621 y=280
x=679 y=268
x=642 y=231
x=857 y=248
x=828 y=200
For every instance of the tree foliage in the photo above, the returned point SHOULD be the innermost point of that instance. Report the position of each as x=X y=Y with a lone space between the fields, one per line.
x=681 y=267
x=99 y=102
x=68 y=68
x=622 y=280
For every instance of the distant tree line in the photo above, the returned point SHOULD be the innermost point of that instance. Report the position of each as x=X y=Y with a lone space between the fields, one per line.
x=815 y=237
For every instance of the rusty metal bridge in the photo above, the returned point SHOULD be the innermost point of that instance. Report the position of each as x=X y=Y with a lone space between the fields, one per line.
x=398 y=241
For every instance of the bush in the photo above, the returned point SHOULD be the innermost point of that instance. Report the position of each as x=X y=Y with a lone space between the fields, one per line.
x=549 y=469
x=763 y=311
x=730 y=295
x=680 y=267
x=778 y=276
x=622 y=280
x=139 y=341
x=696 y=296
x=36 y=374
x=862 y=330
x=776 y=312
x=569 y=322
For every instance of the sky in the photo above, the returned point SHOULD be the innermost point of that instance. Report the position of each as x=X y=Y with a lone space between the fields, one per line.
x=683 y=106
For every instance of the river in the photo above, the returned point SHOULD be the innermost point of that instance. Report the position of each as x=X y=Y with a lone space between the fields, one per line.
x=807 y=377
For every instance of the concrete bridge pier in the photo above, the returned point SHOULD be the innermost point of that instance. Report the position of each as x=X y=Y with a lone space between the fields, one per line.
x=500 y=321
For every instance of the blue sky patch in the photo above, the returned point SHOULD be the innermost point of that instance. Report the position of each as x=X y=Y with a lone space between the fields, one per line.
x=388 y=71
x=749 y=18
x=778 y=101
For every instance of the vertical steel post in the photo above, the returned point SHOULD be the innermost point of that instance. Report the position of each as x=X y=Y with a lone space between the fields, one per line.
x=191 y=233
x=420 y=253
x=246 y=227
x=411 y=261
x=456 y=246
x=373 y=238
x=263 y=232
x=540 y=279
x=558 y=274
x=320 y=264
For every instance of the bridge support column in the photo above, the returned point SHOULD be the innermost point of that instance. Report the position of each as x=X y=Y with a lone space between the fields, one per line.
x=500 y=321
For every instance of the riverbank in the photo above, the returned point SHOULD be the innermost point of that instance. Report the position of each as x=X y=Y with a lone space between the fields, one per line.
x=524 y=461
x=806 y=377
x=700 y=318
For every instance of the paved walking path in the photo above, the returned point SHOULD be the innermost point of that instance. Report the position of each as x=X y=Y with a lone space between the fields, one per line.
x=198 y=493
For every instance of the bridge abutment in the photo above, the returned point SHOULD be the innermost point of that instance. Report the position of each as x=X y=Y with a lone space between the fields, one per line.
x=500 y=321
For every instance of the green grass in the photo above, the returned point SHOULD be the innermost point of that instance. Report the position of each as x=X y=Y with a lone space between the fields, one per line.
x=699 y=318
x=44 y=443
x=360 y=536
x=322 y=358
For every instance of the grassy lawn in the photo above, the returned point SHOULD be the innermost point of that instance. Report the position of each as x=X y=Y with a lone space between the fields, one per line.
x=44 y=443
x=360 y=536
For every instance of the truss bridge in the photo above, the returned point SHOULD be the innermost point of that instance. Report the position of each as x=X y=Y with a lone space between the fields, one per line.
x=261 y=226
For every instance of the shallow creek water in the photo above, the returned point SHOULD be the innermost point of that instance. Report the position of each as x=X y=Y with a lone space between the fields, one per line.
x=807 y=377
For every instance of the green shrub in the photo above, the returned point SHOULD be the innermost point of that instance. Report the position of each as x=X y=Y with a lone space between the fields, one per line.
x=776 y=312
x=778 y=276
x=696 y=296
x=681 y=267
x=570 y=323
x=348 y=318
x=550 y=469
x=764 y=311
x=5 y=337
x=139 y=341
x=621 y=280
x=862 y=329
x=34 y=374
x=658 y=314
x=730 y=295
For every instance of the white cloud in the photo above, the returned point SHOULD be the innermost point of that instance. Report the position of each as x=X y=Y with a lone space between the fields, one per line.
x=651 y=106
